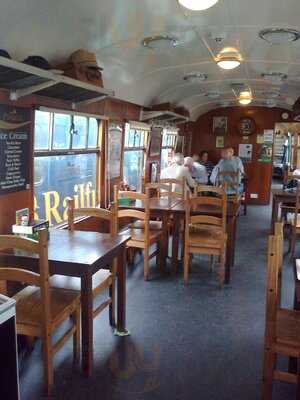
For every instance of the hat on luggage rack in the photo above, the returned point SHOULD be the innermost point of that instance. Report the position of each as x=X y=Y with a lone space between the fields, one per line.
x=85 y=58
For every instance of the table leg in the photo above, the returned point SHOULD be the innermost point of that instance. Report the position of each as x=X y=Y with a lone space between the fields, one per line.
x=165 y=242
x=121 y=295
x=275 y=210
x=175 y=243
x=87 y=323
x=230 y=248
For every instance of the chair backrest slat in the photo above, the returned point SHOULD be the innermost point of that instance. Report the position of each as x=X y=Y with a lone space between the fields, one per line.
x=19 y=275
x=96 y=212
x=205 y=220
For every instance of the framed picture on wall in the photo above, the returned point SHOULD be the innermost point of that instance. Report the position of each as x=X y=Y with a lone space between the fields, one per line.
x=114 y=150
x=220 y=125
x=155 y=142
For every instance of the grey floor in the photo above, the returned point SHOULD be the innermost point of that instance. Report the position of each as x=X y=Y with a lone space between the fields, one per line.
x=194 y=342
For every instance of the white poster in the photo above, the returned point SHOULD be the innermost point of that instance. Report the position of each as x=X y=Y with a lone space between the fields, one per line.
x=245 y=152
x=268 y=135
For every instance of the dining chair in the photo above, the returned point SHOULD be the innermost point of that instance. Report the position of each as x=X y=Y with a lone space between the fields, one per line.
x=40 y=309
x=282 y=326
x=172 y=188
x=205 y=227
x=104 y=278
x=293 y=220
x=231 y=182
x=143 y=237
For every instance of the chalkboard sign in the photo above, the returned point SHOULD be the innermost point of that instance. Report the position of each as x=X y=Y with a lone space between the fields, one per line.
x=15 y=128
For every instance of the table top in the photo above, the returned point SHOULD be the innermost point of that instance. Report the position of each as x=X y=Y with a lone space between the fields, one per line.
x=71 y=253
x=155 y=204
x=283 y=193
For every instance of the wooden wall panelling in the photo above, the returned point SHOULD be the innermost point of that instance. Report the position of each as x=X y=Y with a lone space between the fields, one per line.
x=259 y=174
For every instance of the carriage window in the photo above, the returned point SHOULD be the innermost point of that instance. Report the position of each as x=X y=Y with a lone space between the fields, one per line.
x=134 y=156
x=168 y=147
x=65 y=165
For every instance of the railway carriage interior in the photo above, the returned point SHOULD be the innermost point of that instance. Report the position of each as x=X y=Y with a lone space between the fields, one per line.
x=150 y=199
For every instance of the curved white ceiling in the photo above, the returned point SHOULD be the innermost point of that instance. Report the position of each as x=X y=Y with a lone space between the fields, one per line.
x=114 y=29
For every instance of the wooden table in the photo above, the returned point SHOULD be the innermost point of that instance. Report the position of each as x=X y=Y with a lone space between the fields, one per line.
x=163 y=208
x=81 y=254
x=281 y=196
x=232 y=214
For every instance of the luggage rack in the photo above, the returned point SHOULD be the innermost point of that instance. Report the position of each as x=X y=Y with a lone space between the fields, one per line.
x=22 y=80
x=163 y=117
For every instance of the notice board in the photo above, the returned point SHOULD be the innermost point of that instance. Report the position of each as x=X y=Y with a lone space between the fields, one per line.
x=15 y=131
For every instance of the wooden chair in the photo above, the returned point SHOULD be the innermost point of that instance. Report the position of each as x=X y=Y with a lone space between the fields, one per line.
x=41 y=309
x=293 y=219
x=231 y=182
x=172 y=188
x=282 y=332
x=143 y=237
x=206 y=234
x=104 y=278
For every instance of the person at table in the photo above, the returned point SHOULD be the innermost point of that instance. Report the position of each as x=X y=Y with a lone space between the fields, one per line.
x=177 y=170
x=228 y=163
x=203 y=159
x=198 y=171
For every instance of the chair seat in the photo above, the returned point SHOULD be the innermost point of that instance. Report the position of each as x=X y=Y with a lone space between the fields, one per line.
x=29 y=307
x=288 y=328
x=138 y=235
x=101 y=280
x=206 y=236
x=154 y=225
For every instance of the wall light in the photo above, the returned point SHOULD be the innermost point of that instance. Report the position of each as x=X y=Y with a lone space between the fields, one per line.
x=198 y=5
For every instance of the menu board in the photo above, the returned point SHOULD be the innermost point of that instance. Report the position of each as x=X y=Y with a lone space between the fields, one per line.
x=15 y=128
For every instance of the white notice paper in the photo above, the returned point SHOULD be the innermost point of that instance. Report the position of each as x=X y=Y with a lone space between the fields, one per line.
x=268 y=135
x=245 y=152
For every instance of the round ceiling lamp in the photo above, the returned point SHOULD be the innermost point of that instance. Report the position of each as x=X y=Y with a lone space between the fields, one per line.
x=228 y=62
x=198 y=5
x=245 y=98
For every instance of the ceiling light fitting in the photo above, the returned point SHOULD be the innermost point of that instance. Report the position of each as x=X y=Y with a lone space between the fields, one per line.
x=279 y=35
x=245 y=98
x=197 y=5
x=195 y=77
x=160 y=42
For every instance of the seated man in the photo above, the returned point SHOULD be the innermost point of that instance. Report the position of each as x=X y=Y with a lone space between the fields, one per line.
x=198 y=171
x=231 y=164
x=177 y=170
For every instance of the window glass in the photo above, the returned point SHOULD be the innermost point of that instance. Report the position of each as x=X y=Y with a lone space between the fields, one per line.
x=42 y=130
x=131 y=138
x=93 y=133
x=79 y=132
x=57 y=177
x=61 y=131
x=166 y=157
x=133 y=168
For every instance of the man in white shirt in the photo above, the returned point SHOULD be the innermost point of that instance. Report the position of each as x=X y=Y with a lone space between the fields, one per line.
x=177 y=170
x=198 y=171
x=228 y=163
